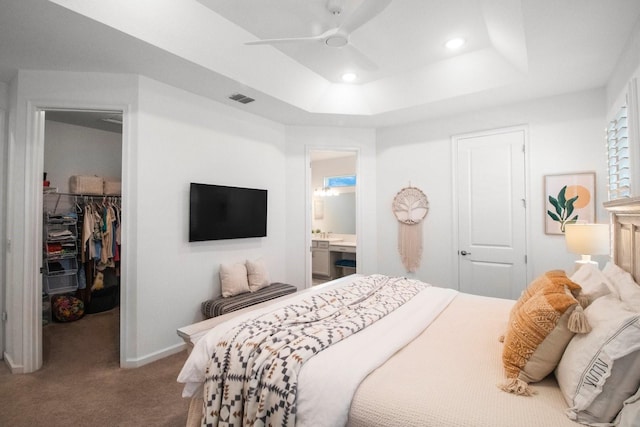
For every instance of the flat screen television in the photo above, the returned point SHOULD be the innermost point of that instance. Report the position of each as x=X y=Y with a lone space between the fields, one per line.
x=219 y=212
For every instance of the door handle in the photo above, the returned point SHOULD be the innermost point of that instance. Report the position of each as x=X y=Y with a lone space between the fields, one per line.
x=465 y=253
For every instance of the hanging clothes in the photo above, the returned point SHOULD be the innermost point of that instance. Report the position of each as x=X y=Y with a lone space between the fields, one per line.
x=99 y=245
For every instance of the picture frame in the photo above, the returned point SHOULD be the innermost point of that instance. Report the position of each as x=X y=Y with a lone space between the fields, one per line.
x=569 y=198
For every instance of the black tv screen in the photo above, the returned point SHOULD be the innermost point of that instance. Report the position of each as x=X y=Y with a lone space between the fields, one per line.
x=218 y=212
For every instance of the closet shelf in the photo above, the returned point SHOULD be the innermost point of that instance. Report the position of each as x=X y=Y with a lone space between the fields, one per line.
x=60 y=254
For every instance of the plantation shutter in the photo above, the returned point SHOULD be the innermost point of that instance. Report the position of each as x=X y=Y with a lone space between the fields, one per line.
x=623 y=147
x=618 y=156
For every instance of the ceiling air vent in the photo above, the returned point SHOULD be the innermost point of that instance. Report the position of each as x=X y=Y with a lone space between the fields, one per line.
x=241 y=98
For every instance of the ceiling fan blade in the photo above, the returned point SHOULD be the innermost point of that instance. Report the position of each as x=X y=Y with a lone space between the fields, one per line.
x=360 y=59
x=322 y=36
x=363 y=14
x=286 y=40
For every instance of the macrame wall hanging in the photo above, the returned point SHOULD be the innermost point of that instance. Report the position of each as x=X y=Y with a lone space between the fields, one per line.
x=410 y=206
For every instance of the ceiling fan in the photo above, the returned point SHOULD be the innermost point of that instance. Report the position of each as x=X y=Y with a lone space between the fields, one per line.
x=338 y=37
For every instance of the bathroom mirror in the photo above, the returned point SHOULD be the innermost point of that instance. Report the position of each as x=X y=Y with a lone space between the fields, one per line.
x=335 y=214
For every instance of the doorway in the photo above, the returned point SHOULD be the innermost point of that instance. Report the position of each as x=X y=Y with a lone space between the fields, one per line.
x=491 y=212
x=82 y=170
x=332 y=194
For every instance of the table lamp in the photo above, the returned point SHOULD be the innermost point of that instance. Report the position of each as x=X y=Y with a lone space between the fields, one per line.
x=587 y=240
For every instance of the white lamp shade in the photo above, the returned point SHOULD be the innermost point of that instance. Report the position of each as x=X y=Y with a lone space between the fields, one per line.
x=587 y=239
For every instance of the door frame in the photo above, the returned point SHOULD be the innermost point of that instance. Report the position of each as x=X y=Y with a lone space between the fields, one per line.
x=4 y=155
x=309 y=211
x=454 y=193
x=32 y=323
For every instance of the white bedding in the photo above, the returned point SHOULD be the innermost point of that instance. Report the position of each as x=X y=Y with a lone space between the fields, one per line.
x=328 y=381
x=448 y=376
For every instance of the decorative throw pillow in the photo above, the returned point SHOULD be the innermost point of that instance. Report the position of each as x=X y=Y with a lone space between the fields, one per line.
x=601 y=369
x=258 y=276
x=551 y=277
x=630 y=413
x=627 y=290
x=233 y=279
x=594 y=283
x=539 y=330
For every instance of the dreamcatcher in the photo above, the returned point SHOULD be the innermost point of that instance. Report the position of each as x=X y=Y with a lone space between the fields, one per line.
x=410 y=206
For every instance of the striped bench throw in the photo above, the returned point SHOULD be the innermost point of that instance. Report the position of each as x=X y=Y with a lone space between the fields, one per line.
x=218 y=306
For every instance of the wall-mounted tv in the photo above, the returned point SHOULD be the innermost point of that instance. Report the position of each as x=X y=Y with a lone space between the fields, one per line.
x=219 y=212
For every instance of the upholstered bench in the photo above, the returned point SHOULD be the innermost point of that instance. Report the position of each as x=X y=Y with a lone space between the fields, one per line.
x=221 y=305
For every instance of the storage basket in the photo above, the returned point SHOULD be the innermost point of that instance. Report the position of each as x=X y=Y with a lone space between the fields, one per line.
x=60 y=284
x=112 y=187
x=82 y=184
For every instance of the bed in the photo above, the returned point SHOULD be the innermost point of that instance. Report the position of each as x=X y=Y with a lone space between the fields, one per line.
x=436 y=360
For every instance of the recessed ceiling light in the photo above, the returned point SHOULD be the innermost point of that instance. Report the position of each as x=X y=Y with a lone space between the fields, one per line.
x=349 y=77
x=456 y=43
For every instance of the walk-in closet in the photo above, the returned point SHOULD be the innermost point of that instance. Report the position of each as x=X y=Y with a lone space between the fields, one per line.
x=81 y=227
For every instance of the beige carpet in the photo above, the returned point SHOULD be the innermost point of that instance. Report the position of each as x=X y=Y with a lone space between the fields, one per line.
x=82 y=384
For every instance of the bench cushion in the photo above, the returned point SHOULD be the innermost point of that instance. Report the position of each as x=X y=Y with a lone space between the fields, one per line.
x=220 y=305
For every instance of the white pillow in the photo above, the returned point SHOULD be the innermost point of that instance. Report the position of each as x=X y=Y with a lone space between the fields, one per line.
x=630 y=414
x=601 y=369
x=258 y=275
x=593 y=282
x=625 y=287
x=233 y=279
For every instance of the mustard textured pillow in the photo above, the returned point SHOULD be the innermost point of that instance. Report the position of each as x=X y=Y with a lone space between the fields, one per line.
x=550 y=278
x=540 y=328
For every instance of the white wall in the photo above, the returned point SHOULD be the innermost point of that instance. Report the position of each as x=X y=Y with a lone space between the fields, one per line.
x=31 y=90
x=76 y=150
x=628 y=66
x=184 y=138
x=565 y=135
x=170 y=138
x=299 y=140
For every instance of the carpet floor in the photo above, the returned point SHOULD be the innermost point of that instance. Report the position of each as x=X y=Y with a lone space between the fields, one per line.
x=81 y=382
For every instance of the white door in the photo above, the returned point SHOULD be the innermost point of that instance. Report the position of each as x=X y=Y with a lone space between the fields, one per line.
x=491 y=212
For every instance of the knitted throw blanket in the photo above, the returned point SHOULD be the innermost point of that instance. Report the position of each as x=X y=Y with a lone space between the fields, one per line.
x=251 y=379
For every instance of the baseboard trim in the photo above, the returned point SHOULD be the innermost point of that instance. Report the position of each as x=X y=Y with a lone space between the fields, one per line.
x=136 y=363
x=15 y=369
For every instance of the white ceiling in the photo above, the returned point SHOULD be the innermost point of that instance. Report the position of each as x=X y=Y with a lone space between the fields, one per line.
x=110 y=121
x=516 y=50
x=388 y=39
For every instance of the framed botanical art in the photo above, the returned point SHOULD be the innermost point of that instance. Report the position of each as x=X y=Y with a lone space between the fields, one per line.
x=569 y=198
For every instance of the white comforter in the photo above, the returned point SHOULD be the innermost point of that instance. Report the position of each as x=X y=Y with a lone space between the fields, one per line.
x=328 y=381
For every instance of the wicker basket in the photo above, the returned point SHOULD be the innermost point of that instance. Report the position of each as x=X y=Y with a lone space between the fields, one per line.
x=112 y=187
x=81 y=184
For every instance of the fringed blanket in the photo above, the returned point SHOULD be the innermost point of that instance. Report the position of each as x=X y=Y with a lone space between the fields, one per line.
x=252 y=376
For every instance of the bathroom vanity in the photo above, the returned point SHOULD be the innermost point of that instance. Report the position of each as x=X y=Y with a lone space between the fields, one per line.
x=332 y=257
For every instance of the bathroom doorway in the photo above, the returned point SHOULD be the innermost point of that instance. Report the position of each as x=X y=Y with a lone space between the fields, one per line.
x=333 y=222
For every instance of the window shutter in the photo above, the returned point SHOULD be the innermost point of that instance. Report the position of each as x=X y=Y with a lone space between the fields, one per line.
x=618 y=156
